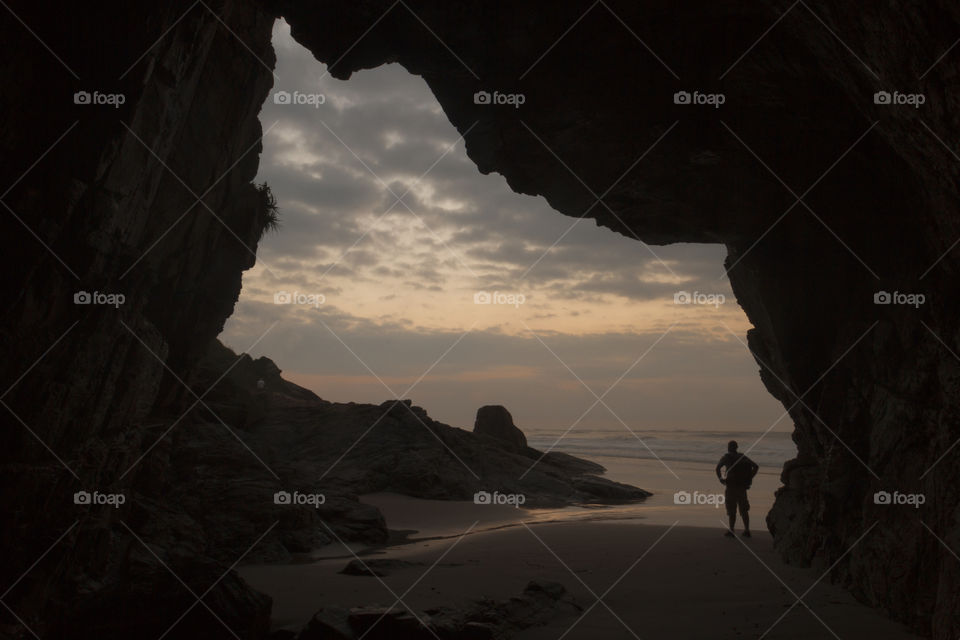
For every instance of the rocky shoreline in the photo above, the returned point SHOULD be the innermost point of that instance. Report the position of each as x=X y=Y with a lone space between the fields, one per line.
x=271 y=472
x=290 y=440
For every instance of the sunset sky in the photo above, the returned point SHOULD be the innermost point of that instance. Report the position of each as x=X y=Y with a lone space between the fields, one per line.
x=580 y=307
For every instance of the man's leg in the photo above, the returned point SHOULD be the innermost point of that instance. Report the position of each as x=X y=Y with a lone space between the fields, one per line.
x=730 y=502
x=745 y=515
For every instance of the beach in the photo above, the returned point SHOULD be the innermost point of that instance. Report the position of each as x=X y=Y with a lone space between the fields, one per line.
x=655 y=581
x=656 y=569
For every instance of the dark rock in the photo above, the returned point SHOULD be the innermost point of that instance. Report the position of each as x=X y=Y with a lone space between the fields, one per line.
x=115 y=191
x=571 y=464
x=330 y=623
x=608 y=490
x=380 y=623
x=540 y=603
x=360 y=448
x=546 y=589
x=150 y=599
x=477 y=631
x=496 y=422
x=375 y=566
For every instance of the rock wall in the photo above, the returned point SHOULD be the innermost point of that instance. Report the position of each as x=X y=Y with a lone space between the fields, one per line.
x=103 y=199
x=101 y=195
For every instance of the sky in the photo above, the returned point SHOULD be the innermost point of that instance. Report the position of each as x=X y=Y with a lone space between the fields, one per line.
x=400 y=271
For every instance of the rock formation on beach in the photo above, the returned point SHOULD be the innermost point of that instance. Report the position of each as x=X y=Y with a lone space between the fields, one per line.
x=823 y=196
x=541 y=602
x=259 y=436
x=496 y=422
x=350 y=449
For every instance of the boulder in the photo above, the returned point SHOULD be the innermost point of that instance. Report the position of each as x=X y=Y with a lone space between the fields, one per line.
x=496 y=422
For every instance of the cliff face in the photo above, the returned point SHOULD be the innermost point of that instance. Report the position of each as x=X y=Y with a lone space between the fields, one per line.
x=103 y=199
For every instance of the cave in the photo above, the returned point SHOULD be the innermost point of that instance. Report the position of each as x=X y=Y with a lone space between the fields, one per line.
x=816 y=141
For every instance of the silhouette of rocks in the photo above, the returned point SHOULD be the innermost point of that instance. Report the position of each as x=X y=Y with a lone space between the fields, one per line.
x=496 y=422
x=375 y=566
x=151 y=599
x=216 y=492
x=541 y=602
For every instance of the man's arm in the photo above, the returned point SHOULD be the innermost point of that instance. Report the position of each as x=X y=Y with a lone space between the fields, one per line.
x=720 y=466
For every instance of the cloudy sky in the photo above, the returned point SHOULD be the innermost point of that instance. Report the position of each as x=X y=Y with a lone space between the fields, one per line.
x=389 y=239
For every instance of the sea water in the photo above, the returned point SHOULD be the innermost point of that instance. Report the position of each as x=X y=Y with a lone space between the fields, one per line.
x=678 y=466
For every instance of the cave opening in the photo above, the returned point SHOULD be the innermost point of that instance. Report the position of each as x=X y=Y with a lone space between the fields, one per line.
x=143 y=456
x=397 y=270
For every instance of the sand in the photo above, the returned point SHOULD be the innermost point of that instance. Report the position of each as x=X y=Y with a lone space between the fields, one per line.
x=654 y=580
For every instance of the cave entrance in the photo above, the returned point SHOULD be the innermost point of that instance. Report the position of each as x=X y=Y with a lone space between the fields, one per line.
x=398 y=270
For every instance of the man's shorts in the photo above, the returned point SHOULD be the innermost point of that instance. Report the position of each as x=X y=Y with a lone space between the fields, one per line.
x=735 y=497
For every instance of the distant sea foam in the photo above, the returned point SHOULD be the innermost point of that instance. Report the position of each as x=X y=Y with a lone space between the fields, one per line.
x=774 y=448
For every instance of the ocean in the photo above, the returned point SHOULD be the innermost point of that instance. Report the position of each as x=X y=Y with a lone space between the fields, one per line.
x=677 y=445
x=677 y=465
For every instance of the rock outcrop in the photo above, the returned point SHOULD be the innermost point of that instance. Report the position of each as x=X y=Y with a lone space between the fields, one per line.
x=540 y=603
x=823 y=195
x=129 y=142
x=267 y=471
x=496 y=422
x=302 y=442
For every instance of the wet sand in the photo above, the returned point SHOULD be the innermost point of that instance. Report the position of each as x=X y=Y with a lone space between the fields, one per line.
x=655 y=580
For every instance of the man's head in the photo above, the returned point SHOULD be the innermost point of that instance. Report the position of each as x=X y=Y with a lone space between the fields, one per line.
x=732 y=446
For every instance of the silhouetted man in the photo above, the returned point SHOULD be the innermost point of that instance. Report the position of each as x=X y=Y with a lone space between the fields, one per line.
x=739 y=476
